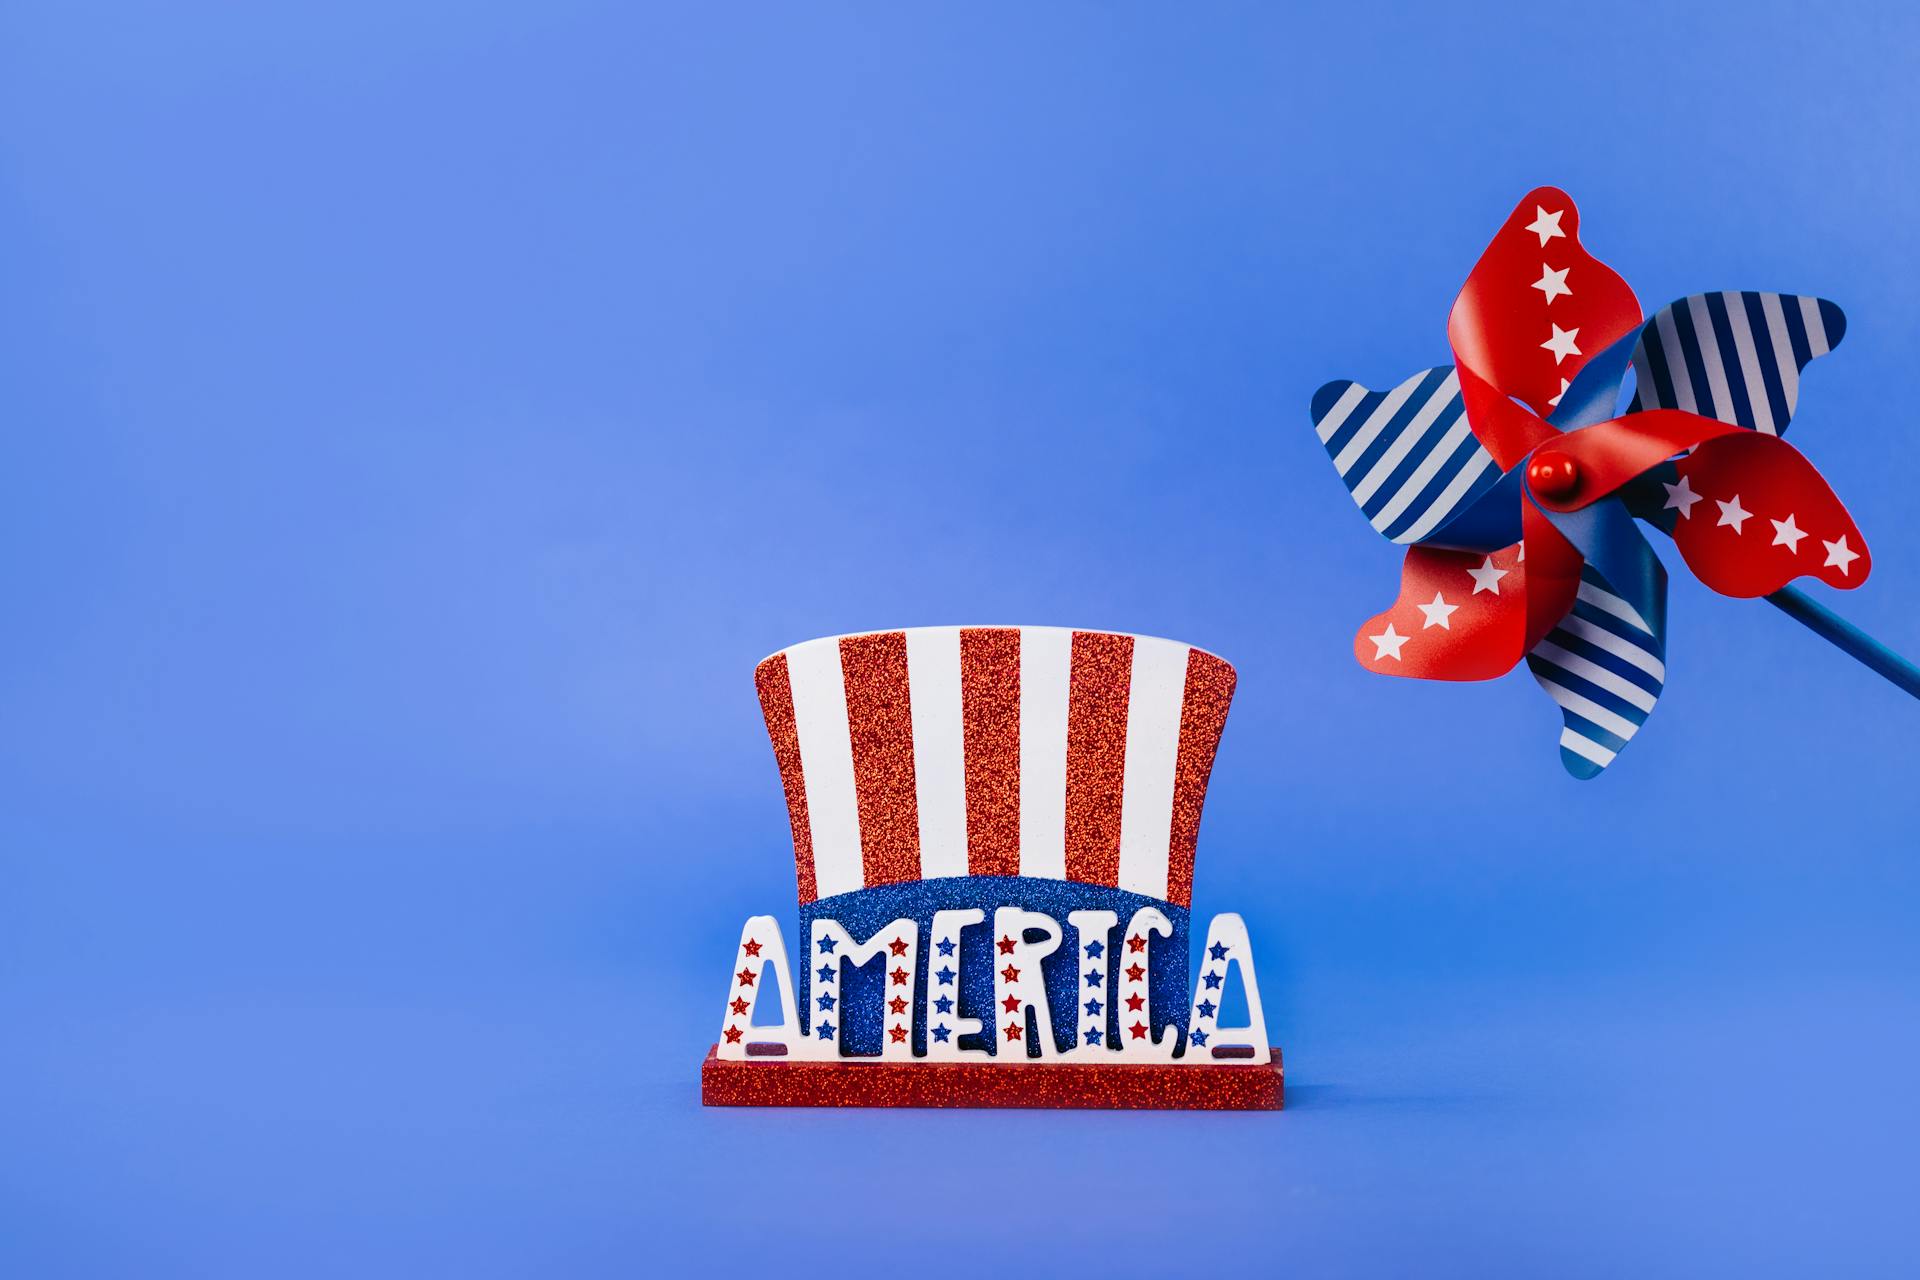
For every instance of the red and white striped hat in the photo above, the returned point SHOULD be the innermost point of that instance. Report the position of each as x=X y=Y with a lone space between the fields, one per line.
x=1029 y=751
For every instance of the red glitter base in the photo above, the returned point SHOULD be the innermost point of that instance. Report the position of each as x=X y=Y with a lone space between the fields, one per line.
x=1120 y=1086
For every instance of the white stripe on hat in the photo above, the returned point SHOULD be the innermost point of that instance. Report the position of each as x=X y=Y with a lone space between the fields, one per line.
x=1046 y=669
x=826 y=763
x=939 y=749
x=1156 y=696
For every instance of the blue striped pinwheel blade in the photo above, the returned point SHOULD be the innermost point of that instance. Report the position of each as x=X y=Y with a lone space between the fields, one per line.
x=1605 y=666
x=1735 y=357
x=1407 y=455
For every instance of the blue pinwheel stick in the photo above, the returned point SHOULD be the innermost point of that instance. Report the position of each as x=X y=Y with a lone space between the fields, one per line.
x=1846 y=637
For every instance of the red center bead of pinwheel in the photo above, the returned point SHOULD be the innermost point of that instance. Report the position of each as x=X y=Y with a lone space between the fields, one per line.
x=1553 y=474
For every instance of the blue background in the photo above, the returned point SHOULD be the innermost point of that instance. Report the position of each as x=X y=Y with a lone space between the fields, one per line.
x=418 y=420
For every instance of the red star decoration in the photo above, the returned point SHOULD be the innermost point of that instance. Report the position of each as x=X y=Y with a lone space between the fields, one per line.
x=1137 y=944
x=897 y=1004
x=899 y=977
x=1135 y=972
x=898 y=946
x=1013 y=1031
x=1006 y=946
x=752 y=948
x=1010 y=973
x=739 y=1005
x=1010 y=1003
x=745 y=976
x=1133 y=1004
x=1139 y=1031
x=733 y=1035
x=898 y=1034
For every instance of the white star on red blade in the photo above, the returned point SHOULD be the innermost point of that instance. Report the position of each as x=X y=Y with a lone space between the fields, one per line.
x=1562 y=343
x=1438 y=612
x=1553 y=283
x=1680 y=497
x=1487 y=578
x=1839 y=555
x=1387 y=644
x=1546 y=225
x=1732 y=513
x=1787 y=534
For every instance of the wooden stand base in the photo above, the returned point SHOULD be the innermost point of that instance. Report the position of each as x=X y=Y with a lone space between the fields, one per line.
x=1121 y=1086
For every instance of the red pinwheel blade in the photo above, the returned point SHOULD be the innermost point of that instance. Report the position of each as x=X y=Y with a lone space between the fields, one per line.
x=1608 y=454
x=1466 y=615
x=1756 y=515
x=1553 y=578
x=1535 y=308
x=1461 y=615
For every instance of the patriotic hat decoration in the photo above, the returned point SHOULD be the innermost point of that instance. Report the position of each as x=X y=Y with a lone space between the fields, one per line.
x=1516 y=485
x=994 y=832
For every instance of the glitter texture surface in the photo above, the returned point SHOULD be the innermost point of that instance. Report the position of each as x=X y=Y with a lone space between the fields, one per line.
x=1050 y=797
x=776 y=704
x=880 y=725
x=875 y=814
x=1210 y=682
x=990 y=711
x=866 y=911
x=1139 y=1087
x=1097 y=754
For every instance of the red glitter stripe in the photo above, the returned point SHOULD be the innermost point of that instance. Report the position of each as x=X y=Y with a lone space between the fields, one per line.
x=990 y=727
x=776 y=704
x=1097 y=754
x=1203 y=715
x=1159 y=1086
x=880 y=723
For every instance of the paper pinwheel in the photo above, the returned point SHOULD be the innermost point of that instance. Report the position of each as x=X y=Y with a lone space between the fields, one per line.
x=1515 y=483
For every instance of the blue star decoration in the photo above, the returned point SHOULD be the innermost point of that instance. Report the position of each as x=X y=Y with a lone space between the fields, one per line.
x=1093 y=977
x=826 y=973
x=824 y=1030
x=1199 y=1038
x=827 y=945
x=1212 y=980
x=1205 y=1008
x=1093 y=1007
x=826 y=1002
x=1218 y=951
x=941 y=1034
x=945 y=975
x=944 y=1004
x=1095 y=950
x=946 y=946
x=1093 y=1036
